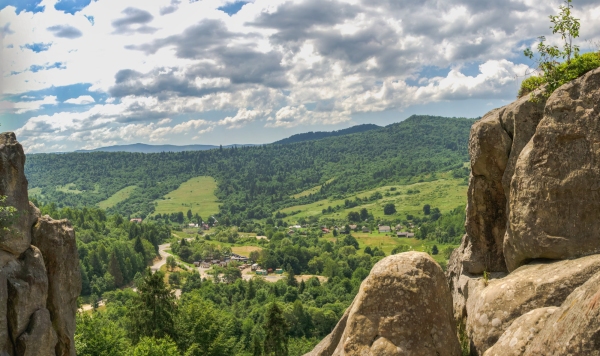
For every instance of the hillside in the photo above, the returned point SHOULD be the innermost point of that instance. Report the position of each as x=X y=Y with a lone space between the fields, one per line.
x=310 y=136
x=255 y=182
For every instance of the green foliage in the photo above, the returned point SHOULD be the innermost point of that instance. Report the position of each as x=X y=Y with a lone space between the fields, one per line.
x=276 y=328
x=389 y=209
x=149 y=346
x=553 y=73
x=97 y=336
x=7 y=214
x=153 y=310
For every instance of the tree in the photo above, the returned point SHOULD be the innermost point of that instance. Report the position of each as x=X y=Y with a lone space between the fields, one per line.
x=171 y=263
x=353 y=216
x=149 y=346
x=276 y=328
x=389 y=209
x=291 y=277
x=115 y=270
x=426 y=209
x=189 y=215
x=364 y=214
x=153 y=310
x=434 y=250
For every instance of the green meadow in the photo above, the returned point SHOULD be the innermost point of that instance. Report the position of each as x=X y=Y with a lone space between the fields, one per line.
x=197 y=194
x=116 y=198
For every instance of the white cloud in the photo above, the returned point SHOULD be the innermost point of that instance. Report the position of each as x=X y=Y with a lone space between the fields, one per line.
x=25 y=106
x=81 y=100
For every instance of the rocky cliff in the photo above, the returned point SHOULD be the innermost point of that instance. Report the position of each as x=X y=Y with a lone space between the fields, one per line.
x=526 y=277
x=39 y=269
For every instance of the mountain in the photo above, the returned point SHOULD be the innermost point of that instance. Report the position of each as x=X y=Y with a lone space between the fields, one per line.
x=309 y=136
x=253 y=182
x=144 y=148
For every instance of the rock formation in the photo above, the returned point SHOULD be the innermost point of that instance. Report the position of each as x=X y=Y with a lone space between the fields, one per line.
x=39 y=269
x=550 y=177
x=403 y=307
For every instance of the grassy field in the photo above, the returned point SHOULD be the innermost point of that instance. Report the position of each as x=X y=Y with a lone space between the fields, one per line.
x=311 y=190
x=446 y=193
x=116 y=198
x=69 y=188
x=197 y=194
x=245 y=250
x=387 y=243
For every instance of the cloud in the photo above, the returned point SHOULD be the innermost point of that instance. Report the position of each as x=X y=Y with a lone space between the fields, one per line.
x=65 y=31
x=242 y=118
x=135 y=20
x=38 y=47
x=171 y=8
x=26 y=106
x=81 y=100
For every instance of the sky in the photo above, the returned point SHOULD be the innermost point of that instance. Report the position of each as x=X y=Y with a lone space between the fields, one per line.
x=81 y=74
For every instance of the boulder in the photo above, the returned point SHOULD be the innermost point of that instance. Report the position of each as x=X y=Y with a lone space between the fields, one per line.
x=555 y=190
x=27 y=291
x=56 y=241
x=13 y=186
x=520 y=333
x=40 y=338
x=492 y=309
x=573 y=329
x=404 y=306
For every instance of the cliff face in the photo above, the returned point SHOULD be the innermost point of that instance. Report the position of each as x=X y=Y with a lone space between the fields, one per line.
x=39 y=269
x=532 y=226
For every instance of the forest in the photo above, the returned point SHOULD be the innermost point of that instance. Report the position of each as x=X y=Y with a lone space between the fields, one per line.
x=255 y=182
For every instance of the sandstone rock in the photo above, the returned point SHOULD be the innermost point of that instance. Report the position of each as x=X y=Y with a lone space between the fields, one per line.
x=492 y=309
x=555 y=190
x=520 y=333
x=40 y=338
x=573 y=329
x=403 y=307
x=56 y=241
x=27 y=291
x=13 y=185
x=489 y=148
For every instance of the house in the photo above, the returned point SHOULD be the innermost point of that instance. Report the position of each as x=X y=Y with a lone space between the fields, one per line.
x=353 y=227
x=136 y=220
x=261 y=272
x=365 y=229
x=279 y=271
x=261 y=238
x=192 y=225
x=255 y=267
x=205 y=227
x=398 y=227
x=384 y=228
x=205 y=264
x=270 y=270
x=402 y=234
x=410 y=234
x=325 y=230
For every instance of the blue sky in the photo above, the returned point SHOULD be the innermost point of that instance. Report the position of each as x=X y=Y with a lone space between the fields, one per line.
x=88 y=73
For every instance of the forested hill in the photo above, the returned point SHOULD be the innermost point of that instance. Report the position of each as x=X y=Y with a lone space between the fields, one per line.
x=309 y=136
x=254 y=182
x=144 y=148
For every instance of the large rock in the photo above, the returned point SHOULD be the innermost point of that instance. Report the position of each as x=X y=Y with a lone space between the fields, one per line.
x=573 y=329
x=56 y=240
x=555 y=190
x=492 y=309
x=403 y=307
x=40 y=338
x=13 y=186
x=518 y=336
x=27 y=291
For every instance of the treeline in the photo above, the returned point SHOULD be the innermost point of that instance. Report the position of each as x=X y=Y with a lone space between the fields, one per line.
x=112 y=251
x=254 y=182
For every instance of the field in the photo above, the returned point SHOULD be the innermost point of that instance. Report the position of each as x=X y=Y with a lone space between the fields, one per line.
x=445 y=193
x=387 y=243
x=69 y=188
x=245 y=250
x=116 y=198
x=197 y=194
x=311 y=190
x=35 y=192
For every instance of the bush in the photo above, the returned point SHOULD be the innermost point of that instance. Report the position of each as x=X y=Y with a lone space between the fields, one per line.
x=562 y=74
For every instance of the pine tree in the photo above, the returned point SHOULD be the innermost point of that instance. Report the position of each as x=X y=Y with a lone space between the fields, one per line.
x=139 y=247
x=291 y=277
x=115 y=270
x=251 y=293
x=85 y=281
x=276 y=328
